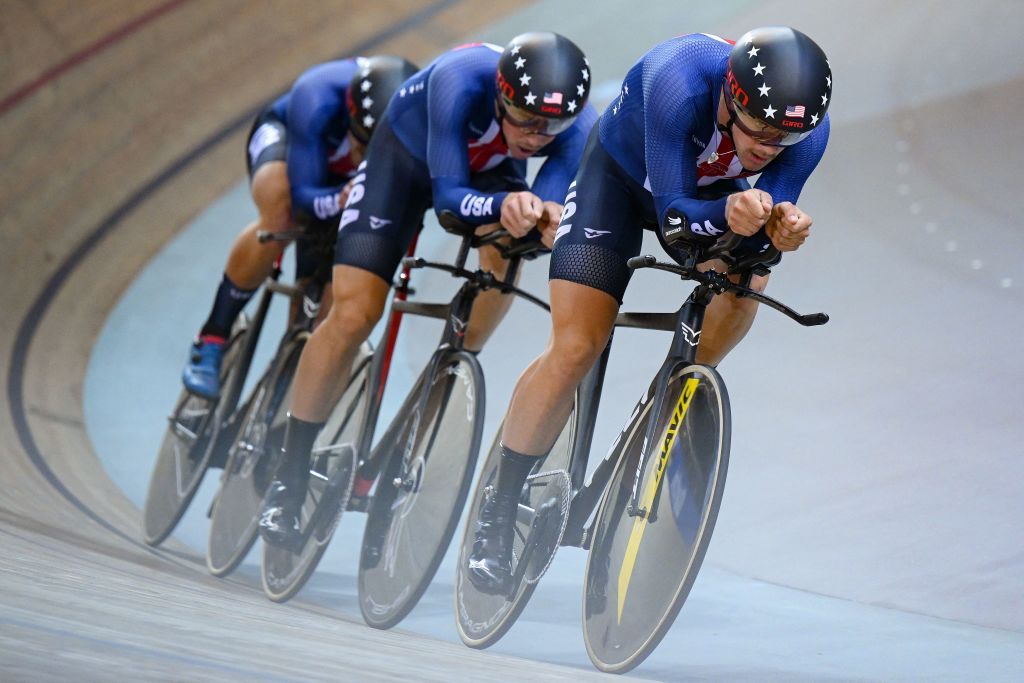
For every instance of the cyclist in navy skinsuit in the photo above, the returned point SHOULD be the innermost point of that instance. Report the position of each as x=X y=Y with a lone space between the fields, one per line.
x=695 y=116
x=456 y=136
x=303 y=150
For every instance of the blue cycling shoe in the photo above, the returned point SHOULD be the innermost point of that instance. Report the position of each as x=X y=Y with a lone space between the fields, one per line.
x=202 y=373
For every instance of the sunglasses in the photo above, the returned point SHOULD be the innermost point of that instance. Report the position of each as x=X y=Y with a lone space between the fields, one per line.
x=765 y=134
x=532 y=124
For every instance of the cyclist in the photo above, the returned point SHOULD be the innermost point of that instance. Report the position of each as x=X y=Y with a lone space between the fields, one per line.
x=694 y=117
x=457 y=135
x=303 y=149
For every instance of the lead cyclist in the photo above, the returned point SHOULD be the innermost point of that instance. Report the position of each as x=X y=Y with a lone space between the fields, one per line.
x=696 y=115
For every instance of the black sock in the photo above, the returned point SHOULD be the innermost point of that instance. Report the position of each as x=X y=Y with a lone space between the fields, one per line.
x=227 y=304
x=513 y=470
x=299 y=436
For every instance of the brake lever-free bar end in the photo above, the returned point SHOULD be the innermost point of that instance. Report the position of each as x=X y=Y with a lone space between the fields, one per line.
x=645 y=261
x=412 y=262
x=813 y=319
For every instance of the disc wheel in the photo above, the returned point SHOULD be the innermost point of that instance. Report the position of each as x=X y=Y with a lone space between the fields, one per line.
x=284 y=571
x=187 y=448
x=251 y=463
x=480 y=618
x=644 y=559
x=422 y=491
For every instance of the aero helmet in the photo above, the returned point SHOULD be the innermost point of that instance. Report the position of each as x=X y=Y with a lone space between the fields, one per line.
x=543 y=82
x=780 y=78
x=371 y=89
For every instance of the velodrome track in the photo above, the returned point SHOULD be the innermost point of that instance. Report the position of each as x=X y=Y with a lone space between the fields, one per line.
x=871 y=525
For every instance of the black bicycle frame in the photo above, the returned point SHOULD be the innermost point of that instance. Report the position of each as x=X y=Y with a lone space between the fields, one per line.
x=456 y=312
x=686 y=325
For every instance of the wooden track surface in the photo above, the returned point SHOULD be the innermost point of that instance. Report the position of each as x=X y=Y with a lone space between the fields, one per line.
x=112 y=142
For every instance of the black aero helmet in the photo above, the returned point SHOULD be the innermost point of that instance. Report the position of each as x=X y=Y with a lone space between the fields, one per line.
x=781 y=78
x=371 y=89
x=543 y=82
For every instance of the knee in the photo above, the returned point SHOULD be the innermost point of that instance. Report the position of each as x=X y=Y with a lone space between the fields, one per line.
x=350 y=319
x=575 y=351
x=272 y=194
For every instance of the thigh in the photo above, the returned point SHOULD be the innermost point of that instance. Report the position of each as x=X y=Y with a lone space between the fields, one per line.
x=601 y=226
x=389 y=195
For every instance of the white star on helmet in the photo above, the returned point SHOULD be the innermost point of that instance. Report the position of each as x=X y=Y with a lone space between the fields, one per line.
x=770 y=112
x=759 y=69
x=571 y=106
x=368 y=121
x=367 y=102
x=530 y=98
x=753 y=51
x=525 y=79
x=764 y=89
x=520 y=63
x=365 y=85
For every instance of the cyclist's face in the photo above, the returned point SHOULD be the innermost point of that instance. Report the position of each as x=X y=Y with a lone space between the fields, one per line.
x=357 y=150
x=522 y=142
x=753 y=152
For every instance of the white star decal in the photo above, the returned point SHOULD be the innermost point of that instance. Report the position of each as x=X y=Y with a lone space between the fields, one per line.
x=525 y=80
x=367 y=102
x=625 y=88
x=770 y=112
x=764 y=89
x=366 y=85
x=824 y=100
x=368 y=121
x=530 y=98
x=814 y=119
x=402 y=92
x=571 y=106
x=586 y=61
x=515 y=50
x=580 y=89
x=828 y=81
x=759 y=69
x=520 y=63
x=586 y=74
x=753 y=51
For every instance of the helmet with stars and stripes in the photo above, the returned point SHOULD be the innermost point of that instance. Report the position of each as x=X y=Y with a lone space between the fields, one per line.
x=778 y=85
x=543 y=82
x=371 y=89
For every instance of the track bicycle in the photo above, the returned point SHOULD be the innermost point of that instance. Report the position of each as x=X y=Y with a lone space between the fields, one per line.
x=254 y=453
x=656 y=492
x=200 y=430
x=411 y=516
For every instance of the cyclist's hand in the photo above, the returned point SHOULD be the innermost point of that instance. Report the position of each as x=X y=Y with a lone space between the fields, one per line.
x=520 y=212
x=343 y=195
x=548 y=223
x=788 y=227
x=747 y=211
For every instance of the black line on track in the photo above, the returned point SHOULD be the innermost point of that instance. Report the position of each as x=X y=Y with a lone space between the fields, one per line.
x=33 y=318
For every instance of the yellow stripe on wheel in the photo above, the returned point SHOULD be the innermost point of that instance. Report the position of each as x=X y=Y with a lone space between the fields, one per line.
x=647 y=501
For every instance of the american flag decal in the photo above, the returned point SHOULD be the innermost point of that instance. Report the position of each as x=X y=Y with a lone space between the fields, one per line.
x=795 y=111
x=555 y=98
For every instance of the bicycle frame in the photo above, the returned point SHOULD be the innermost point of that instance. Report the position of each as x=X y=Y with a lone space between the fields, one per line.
x=686 y=324
x=456 y=312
